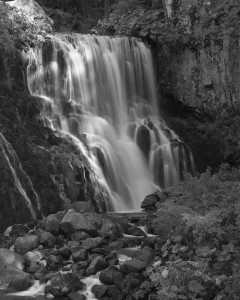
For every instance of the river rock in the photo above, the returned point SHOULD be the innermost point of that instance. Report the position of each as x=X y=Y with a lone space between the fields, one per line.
x=99 y=290
x=74 y=221
x=110 y=276
x=27 y=243
x=11 y=258
x=147 y=254
x=111 y=228
x=91 y=243
x=65 y=252
x=33 y=256
x=150 y=201
x=54 y=262
x=46 y=239
x=79 y=255
x=114 y=293
x=80 y=236
x=96 y=265
x=134 y=230
x=133 y=266
x=76 y=296
x=51 y=224
x=61 y=285
x=20 y=281
x=134 y=280
x=115 y=245
x=18 y=230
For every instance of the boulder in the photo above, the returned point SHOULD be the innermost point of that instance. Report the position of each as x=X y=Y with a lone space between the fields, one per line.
x=27 y=243
x=111 y=275
x=96 y=265
x=91 y=243
x=114 y=293
x=20 y=282
x=51 y=224
x=32 y=256
x=54 y=262
x=147 y=254
x=62 y=285
x=99 y=290
x=134 y=280
x=76 y=296
x=18 y=230
x=80 y=236
x=116 y=245
x=136 y=231
x=133 y=266
x=65 y=252
x=74 y=221
x=79 y=255
x=111 y=228
x=150 y=201
x=46 y=239
x=11 y=258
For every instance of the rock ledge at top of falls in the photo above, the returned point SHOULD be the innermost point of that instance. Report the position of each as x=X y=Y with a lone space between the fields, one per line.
x=32 y=14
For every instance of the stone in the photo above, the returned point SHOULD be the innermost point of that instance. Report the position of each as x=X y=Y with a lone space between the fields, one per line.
x=133 y=280
x=96 y=265
x=130 y=241
x=143 y=139
x=82 y=207
x=19 y=230
x=74 y=221
x=76 y=296
x=61 y=285
x=150 y=201
x=147 y=285
x=111 y=228
x=114 y=293
x=116 y=245
x=147 y=254
x=133 y=266
x=54 y=262
x=91 y=243
x=11 y=258
x=65 y=252
x=79 y=255
x=99 y=290
x=111 y=276
x=20 y=282
x=134 y=230
x=51 y=224
x=32 y=256
x=140 y=295
x=47 y=239
x=27 y=243
x=34 y=267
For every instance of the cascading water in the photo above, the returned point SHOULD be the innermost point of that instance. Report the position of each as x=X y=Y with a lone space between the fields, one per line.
x=17 y=170
x=102 y=90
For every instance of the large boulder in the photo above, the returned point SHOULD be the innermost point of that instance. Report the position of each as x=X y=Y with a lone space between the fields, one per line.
x=61 y=285
x=11 y=258
x=133 y=266
x=74 y=221
x=111 y=275
x=27 y=243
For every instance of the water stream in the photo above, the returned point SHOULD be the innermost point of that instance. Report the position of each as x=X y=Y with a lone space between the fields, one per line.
x=102 y=90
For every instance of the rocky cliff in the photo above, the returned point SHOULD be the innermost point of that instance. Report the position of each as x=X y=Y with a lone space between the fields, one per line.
x=196 y=45
x=33 y=158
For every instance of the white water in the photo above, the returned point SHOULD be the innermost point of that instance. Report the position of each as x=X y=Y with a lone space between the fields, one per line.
x=14 y=164
x=35 y=290
x=103 y=90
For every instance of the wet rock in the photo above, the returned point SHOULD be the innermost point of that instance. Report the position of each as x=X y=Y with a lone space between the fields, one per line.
x=91 y=243
x=74 y=246
x=110 y=276
x=82 y=207
x=147 y=285
x=111 y=228
x=133 y=280
x=133 y=266
x=51 y=224
x=46 y=239
x=61 y=285
x=11 y=258
x=32 y=256
x=79 y=255
x=130 y=241
x=65 y=252
x=20 y=282
x=116 y=245
x=140 y=295
x=73 y=221
x=96 y=265
x=54 y=262
x=24 y=244
x=99 y=290
x=19 y=230
x=114 y=293
x=144 y=139
x=134 y=230
x=34 y=267
x=147 y=254
x=101 y=251
x=150 y=201
x=76 y=296
x=80 y=236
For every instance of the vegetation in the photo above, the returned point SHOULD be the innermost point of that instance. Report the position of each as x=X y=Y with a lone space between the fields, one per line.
x=198 y=238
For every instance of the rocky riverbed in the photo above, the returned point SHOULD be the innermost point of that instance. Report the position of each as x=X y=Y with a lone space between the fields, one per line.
x=78 y=254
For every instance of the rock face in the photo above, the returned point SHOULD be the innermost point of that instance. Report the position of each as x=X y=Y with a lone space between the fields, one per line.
x=196 y=46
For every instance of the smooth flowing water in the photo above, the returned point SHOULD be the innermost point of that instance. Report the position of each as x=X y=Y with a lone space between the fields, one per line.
x=102 y=90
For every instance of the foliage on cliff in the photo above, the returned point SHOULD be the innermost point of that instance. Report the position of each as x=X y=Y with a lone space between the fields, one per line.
x=198 y=238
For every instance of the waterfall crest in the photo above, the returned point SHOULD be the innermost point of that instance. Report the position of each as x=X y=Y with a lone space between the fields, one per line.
x=102 y=90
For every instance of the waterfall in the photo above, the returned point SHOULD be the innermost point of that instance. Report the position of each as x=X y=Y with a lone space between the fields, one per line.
x=17 y=172
x=101 y=91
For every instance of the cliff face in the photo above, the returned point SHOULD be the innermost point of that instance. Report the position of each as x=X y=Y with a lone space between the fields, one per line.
x=196 y=46
x=34 y=159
